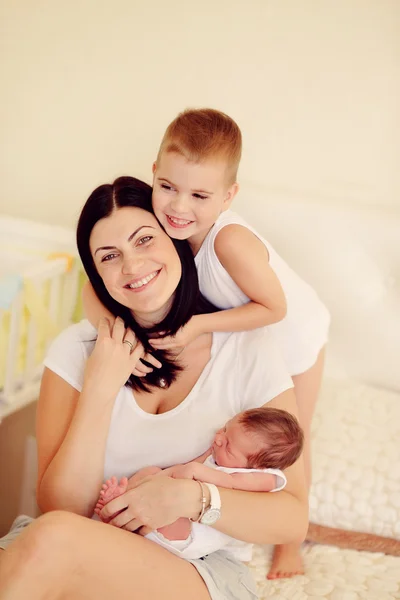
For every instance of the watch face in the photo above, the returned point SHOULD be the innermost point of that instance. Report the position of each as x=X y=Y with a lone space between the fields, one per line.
x=211 y=516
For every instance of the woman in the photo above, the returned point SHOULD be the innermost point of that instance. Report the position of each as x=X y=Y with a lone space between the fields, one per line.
x=92 y=426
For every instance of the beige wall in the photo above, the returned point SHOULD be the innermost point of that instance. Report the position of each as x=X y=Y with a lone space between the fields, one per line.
x=88 y=88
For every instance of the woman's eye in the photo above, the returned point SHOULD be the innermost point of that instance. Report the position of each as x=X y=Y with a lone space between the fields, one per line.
x=145 y=239
x=200 y=197
x=108 y=257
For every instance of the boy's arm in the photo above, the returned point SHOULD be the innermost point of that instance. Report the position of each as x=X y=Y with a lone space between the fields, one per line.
x=92 y=307
x=250 y=482
x=246 y=260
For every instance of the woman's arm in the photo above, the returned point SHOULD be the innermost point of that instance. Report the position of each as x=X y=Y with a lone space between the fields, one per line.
x=72 y=428
x=255 y=517
x=95 y=311
x=71 y=431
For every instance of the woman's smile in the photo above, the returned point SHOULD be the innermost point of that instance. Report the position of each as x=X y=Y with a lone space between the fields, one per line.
x=139 y=285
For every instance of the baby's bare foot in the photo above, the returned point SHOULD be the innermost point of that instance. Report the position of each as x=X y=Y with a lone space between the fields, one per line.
x=109 y=490
x=286 y=562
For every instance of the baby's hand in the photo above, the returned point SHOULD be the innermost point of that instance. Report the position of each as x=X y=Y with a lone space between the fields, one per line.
x=186 y=471
x=183 y=337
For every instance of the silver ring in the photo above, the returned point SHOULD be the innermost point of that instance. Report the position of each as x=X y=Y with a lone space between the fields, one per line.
x=129 y=343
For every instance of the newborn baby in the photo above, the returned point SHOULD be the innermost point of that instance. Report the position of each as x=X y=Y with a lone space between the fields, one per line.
x=248 y=453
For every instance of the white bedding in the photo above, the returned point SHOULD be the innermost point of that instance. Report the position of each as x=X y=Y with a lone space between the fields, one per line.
x=356 y=459
x=356 y=486
x=332 y=574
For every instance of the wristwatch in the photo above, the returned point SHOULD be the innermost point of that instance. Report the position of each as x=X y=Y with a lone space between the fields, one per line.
x=213 y=512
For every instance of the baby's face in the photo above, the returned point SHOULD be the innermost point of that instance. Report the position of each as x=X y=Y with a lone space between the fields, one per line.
x=232 y=445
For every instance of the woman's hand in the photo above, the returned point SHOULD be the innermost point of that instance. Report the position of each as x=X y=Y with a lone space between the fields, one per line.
x=154 y=503
x=113 y=359
x=182 y=338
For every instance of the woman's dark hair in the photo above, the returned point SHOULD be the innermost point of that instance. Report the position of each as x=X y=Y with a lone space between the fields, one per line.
x=188 y=301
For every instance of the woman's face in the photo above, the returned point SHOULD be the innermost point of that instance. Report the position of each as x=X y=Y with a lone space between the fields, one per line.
x=137 y=262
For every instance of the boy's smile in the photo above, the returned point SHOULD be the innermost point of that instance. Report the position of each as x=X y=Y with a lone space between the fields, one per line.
x=188 y=196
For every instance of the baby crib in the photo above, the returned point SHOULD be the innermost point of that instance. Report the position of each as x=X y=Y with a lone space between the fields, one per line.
x=40 y=283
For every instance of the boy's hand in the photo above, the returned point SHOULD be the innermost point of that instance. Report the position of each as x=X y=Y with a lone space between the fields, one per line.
x=141 y=369
x=183 y=337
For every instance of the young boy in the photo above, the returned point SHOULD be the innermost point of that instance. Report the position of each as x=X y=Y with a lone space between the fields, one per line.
x=195 y=181
x=247 y=454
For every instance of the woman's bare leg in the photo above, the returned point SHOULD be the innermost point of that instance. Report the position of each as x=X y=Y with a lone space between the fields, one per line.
x=287 y=560
x=62 y=556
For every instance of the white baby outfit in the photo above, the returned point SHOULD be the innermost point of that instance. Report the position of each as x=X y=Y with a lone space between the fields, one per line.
x=203 y=539
x=245 y=371
x=304 y=330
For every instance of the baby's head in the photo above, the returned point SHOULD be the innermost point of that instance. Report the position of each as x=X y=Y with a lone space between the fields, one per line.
x=259 y=438
x=195 y=172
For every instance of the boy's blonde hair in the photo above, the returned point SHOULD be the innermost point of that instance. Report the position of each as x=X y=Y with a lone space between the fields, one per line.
x=204 y=133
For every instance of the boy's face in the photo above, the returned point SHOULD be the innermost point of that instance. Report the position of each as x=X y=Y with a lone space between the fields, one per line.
x=188 y=197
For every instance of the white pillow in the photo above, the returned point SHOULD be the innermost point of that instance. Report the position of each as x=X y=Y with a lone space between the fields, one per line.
x=356 y=459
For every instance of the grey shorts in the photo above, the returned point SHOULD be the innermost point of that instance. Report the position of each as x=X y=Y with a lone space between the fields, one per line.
x=225 y=577
x=19 y=524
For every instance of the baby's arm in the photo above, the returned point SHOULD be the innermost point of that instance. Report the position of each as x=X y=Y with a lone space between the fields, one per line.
x=251 y=482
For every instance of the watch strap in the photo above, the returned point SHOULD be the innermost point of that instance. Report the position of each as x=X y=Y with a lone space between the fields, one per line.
x=215 y=498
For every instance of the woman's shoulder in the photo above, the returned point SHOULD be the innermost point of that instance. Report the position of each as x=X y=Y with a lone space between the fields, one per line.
x=82 y=332
x=69 y=351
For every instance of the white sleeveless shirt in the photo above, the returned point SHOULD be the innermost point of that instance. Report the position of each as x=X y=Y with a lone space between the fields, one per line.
x=245 y=370
x=304 y=330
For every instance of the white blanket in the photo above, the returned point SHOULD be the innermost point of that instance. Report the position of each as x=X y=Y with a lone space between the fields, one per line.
x=356 y=459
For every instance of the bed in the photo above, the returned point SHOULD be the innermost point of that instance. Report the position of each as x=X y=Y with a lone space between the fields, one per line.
x=351 y=255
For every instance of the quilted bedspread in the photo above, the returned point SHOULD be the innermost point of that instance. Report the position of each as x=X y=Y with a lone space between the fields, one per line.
x=356 y=459
x=332 y=574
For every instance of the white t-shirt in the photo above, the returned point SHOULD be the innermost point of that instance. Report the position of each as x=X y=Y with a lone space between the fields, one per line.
x=304 y=330
x=245 y=371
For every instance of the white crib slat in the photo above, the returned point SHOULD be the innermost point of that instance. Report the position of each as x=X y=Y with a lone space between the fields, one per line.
x=69 y=295
x=30 y=348
x=55 y=297
x=12 y=350
x=43 y=252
